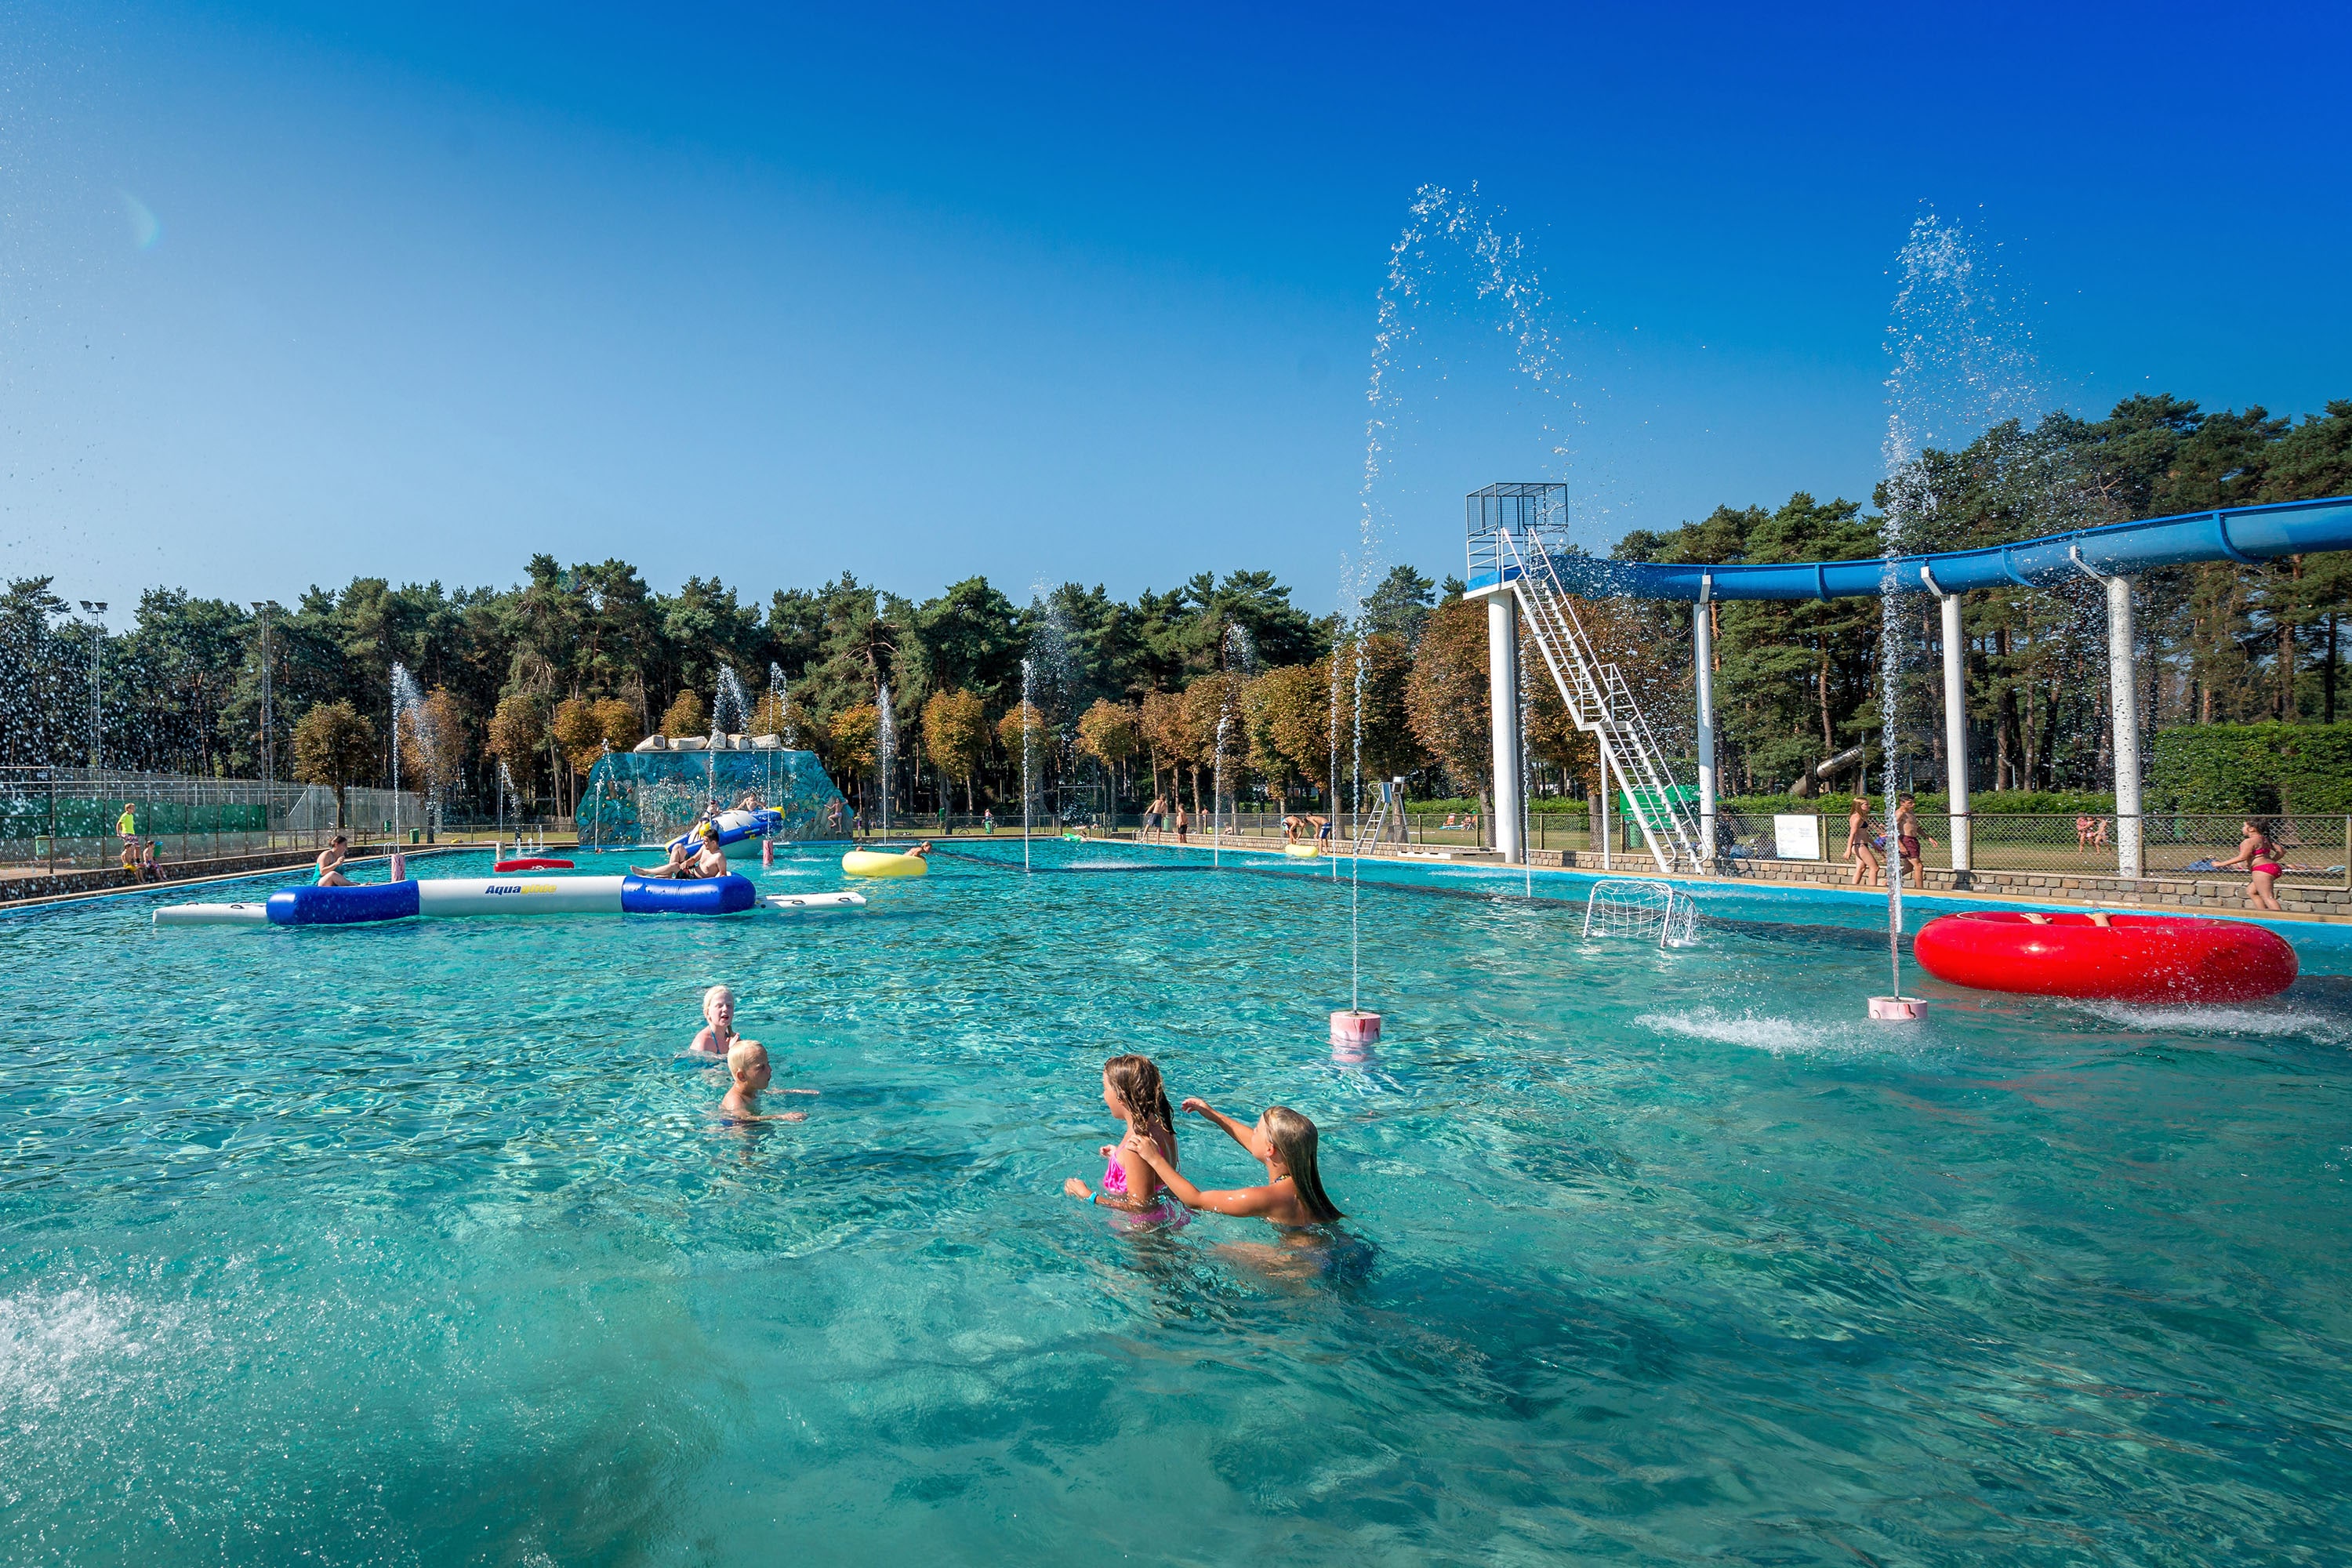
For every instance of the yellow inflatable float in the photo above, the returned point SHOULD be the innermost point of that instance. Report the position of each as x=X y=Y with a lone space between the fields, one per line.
x=1303 y=851
x=884 y=863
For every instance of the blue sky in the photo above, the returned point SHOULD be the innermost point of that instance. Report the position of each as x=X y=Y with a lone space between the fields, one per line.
x=299 y=292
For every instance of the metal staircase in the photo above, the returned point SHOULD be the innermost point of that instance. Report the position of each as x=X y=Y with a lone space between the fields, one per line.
x=1368 y=831
x=1597 y=697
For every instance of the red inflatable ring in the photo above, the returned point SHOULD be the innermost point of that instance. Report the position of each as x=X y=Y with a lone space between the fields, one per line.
x=532 y=865
x=2136 y=958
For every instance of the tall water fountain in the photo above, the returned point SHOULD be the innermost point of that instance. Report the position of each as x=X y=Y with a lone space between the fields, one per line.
x=730 y=710
x=1028 y=709
x=1959 y=363
x=886 y=749
x=410 y=718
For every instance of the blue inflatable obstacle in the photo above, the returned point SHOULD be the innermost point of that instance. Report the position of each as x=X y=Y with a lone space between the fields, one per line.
x=456 y=896
x=739 y=831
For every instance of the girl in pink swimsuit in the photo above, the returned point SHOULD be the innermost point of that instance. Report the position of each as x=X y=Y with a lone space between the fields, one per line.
x=2260 y=856
x=1134 y=1093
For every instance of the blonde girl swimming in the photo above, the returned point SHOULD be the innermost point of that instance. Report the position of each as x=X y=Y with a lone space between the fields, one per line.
x=1133 y=1092
x=717 y=1037
x=1284 y=1141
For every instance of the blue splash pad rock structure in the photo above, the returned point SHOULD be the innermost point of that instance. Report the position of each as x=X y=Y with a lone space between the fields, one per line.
x=651 y=797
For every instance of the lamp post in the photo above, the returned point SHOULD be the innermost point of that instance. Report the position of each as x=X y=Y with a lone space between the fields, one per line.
x=95 y=608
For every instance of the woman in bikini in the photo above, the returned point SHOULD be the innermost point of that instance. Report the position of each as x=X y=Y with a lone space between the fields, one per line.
x=1133 y=1091
x=2259 y=856
x=1858 y=847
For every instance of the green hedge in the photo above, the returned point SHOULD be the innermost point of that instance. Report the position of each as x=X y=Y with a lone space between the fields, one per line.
x=2252 y=767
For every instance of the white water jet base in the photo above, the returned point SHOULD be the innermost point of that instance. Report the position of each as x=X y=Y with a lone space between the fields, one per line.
x=1897 y=1009
x=1350 y=1027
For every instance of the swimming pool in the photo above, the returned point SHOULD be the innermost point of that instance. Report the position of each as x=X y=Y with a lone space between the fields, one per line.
x=417 y=1243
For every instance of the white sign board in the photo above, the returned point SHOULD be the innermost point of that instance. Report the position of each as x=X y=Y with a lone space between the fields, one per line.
x=1797 y=837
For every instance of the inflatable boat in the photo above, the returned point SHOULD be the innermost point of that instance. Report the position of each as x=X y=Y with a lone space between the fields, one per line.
x=2133 y=958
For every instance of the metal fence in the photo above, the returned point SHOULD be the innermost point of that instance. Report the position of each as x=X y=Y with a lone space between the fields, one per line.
x=60 y=819
x=2318 y=850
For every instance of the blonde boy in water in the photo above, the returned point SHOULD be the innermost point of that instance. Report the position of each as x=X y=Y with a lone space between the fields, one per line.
x=747 y=1064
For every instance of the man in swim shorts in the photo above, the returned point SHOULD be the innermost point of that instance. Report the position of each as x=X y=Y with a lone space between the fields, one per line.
x=331 y=863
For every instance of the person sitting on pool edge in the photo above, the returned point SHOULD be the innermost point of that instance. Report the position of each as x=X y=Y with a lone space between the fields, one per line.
x=1283 y=1141
x=331 y=863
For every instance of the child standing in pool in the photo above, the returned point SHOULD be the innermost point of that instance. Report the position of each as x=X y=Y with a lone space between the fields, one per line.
x=1284 y=1141
x=1134 y=1093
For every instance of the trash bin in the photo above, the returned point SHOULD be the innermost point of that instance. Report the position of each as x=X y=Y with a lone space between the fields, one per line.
x=416 y=835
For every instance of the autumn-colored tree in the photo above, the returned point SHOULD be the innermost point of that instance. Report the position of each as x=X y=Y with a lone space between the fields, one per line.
x=856 y=733
x=685 y=715
x=1108 y=732
x=1289 y=713
x=1168 y=733
x=1210 y=701
x=1447 y=698
x=1025 y=727
x=333 y=745
x=769 y=714
x=518 y=729
x=955 y=731
x=617 y=723
x=431 y=738
x=1388 y=746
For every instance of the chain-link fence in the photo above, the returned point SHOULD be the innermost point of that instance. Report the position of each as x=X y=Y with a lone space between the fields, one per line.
x=60 y=819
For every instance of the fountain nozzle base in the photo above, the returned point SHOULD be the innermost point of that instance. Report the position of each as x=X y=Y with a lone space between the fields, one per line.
x=1897 y=1009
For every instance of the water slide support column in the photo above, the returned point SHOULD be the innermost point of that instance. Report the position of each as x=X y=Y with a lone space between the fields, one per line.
x=2124 y=694
x=1503 y=689
x=1956 y=726
x=1702 y=658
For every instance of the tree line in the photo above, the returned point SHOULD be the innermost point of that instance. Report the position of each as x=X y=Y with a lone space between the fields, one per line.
x=1224 y=679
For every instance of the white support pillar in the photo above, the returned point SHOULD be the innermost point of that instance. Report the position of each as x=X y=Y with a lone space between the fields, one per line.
x=2123 y=690
x=1703 y=658
x=1503 y=689
x=1956 y=729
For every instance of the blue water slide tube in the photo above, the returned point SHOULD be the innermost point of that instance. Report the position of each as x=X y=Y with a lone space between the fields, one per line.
x=2239 y=534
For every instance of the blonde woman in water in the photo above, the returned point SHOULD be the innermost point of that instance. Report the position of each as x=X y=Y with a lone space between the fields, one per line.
x=1281 y=1140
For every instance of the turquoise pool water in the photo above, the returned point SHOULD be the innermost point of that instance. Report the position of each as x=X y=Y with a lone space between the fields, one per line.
x=419 y=1243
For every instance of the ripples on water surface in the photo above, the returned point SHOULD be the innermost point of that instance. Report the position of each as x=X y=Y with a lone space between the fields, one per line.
x=417 y=1243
